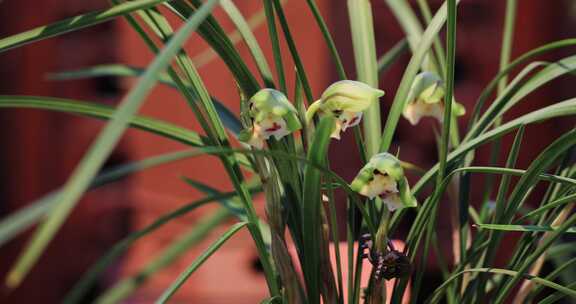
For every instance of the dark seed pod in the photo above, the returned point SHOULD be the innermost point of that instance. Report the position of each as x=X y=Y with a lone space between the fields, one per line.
x=389 y=264
x=395 y=265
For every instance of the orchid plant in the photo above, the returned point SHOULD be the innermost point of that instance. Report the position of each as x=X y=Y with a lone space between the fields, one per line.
x=285 y=132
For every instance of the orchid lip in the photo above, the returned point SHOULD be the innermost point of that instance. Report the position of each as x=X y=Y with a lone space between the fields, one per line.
x=355 y=119
x=386 y=193
x=275 y=127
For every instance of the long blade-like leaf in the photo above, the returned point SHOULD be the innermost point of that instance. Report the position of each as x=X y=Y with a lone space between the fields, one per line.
x=74 y=23
x=565 y=108
x=409 y=75
x=244 y=29
x=198 y=262
x=438 y=292
x=311 y=208
x=25 y=218
x=229 y=120
x=101 y=149
x=361 y=24
x=521 y=228
x=100 y=111
x=79 y=291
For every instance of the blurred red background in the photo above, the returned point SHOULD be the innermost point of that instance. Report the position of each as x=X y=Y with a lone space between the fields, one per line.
x=41 y=148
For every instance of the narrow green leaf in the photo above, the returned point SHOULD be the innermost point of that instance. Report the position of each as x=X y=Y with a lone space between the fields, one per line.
x=293 y=51
x=78 y=292
x=311 y=229
x=412 y=28
x=101 y=111
x=409 y=74
x=505 y=182
x=100 y=149
x=167 y=257
x=523 y=84
x=254 y=22
x=361 y=24
x=204 y=109
x=451 y=60
x=565 y=268
x=168 y=293
x=551 y=205
x=244 y=28
x=218 y=150
x=74 y=23
x=25 y=218
x=529 y=262
x=229 y=120
x=213 y=33
x=408 y=21
x=328 y=39
x=218 y=135
x=565 y=108
x=435 y=298
x=333 y=217
x=233 y=207
x=541 y=163
x=159 y=26
x=275 y=42
x=555 y=297
x=438 y=49
x=463 y=213
x=21 y=220
x=507 y=39
x=390 y=57
x=428 y=207
x=488 y=90
x=522 y=228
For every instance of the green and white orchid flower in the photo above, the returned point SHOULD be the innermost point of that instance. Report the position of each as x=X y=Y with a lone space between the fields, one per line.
x=383 y=176
x=426 y=98
x=272 y=115
x=346 y=100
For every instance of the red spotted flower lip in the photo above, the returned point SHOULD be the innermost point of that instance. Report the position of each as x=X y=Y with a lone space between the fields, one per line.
x=275 y=127
x=354 y=120
x=385 y=194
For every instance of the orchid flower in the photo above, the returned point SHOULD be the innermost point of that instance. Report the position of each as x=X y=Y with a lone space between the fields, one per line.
x=272 y=115
x=383 y=176
x=345 y=100
x=426 y=98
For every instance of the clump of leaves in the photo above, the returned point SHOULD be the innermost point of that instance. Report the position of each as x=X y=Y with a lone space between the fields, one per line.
x=288 y=151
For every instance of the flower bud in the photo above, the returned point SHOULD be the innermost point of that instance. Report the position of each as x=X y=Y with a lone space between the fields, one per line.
x=272 y=115
x=346 y=100
x=426 y=98
x=383 y=176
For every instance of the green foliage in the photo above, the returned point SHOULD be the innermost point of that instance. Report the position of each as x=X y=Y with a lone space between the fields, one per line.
x=294 y=171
